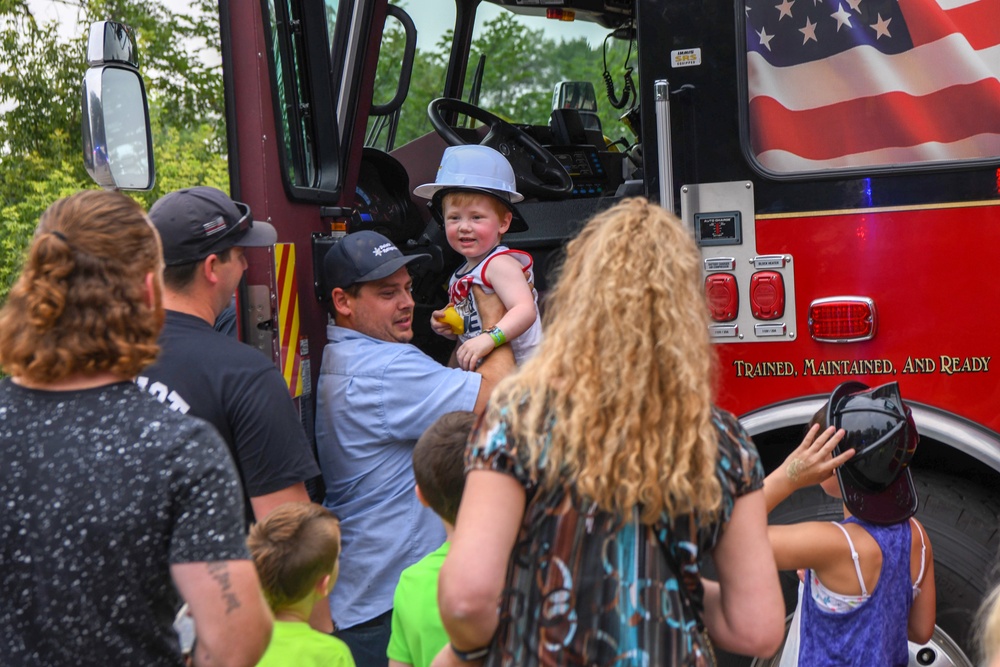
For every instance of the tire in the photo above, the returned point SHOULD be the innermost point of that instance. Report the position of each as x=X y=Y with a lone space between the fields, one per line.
x=961 y=522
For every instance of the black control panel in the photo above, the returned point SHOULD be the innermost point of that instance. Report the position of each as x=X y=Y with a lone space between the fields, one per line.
x=588 y=168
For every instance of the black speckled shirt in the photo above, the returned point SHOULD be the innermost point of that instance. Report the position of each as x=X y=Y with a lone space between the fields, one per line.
x=101 y=490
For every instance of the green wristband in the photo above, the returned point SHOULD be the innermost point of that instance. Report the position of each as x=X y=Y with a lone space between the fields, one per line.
x=497 y=335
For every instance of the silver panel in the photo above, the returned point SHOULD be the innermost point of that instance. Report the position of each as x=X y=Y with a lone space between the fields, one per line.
x=708 y=198
x=260 y=319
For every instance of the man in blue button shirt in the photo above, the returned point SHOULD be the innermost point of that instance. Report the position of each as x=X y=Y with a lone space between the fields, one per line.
x=376 y=395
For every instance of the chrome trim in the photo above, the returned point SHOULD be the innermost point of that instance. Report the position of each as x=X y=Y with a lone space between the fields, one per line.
x=111 y=43
x=661 y=95
x=933 y=423
x=855 y=299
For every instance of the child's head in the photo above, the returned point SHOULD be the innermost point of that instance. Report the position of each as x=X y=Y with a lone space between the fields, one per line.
x=875 y=483
x=477 y=170
x=439 y=462
x=295 y=547
x=452 y=199
x=474 y=222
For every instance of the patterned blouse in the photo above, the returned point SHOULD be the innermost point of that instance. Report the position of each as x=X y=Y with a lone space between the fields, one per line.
x=587 y=587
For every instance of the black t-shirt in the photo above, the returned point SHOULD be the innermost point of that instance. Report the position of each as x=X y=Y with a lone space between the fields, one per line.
x=101 y=490
x=207 y=374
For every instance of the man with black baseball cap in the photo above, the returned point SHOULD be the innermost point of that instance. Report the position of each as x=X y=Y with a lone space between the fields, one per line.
x=210 y=375
x=376 y=395
x=197 y=222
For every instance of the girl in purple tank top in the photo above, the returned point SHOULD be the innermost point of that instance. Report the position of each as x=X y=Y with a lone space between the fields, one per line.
x=868 y=581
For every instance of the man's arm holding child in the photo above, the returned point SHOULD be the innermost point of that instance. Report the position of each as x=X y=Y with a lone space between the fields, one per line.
x=506 y=275
x=500 y=363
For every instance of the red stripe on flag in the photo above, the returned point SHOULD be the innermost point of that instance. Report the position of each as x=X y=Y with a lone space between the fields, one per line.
x=978 y=21
x=885 y=121
x=928 y=22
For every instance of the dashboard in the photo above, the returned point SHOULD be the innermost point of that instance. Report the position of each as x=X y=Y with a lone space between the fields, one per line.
x=382 y=199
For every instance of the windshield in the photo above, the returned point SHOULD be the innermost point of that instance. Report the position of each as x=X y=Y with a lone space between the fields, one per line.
x=514 y=67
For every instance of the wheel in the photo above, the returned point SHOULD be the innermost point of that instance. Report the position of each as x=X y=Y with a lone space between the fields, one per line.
x=961 y=522
x=537 y=171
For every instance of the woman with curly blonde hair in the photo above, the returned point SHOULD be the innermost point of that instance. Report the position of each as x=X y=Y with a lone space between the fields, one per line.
x=602 y=474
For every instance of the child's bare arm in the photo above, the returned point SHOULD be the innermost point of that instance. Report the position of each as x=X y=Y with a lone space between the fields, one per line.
x=509 y=282
x=923 y=613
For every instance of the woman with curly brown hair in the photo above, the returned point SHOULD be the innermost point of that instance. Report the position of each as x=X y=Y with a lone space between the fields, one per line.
x=112 y=504
x=603 y=474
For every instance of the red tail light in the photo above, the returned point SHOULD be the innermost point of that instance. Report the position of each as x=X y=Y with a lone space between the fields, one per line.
x=560 y=14
x=845 y=319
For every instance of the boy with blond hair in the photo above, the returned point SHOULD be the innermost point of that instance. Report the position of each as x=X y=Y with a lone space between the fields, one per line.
x=296 y=549
x=439 y=469
x=473 y=198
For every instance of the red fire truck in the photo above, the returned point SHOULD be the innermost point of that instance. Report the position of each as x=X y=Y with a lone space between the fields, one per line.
x=836 y=161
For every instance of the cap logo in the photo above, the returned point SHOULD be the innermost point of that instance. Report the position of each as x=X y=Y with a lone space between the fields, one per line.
x=380 y=250
x=214 y=226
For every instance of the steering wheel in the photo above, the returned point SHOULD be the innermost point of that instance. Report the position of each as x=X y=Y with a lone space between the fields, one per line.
x=537 y=171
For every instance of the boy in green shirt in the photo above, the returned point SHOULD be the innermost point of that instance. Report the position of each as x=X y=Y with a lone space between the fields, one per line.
x=296 y=549
x=439 y=470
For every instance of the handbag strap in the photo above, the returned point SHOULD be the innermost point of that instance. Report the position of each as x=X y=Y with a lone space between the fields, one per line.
x=691 y=607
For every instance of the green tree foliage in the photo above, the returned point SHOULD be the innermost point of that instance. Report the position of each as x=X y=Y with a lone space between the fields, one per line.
x=41 y=70
x=516 y=68
x=522 y=65
x=426 y=82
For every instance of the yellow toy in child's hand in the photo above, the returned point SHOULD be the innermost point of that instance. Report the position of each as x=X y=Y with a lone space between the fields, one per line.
x=453 y=319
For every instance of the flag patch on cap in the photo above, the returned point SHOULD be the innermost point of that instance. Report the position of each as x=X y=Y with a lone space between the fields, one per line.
x=214 y=226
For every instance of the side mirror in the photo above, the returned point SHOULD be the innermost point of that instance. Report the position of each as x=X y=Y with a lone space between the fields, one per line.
x=117 y=140
x=578 y=96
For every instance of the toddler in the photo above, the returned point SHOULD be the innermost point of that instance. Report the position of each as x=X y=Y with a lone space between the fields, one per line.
x=473 y=197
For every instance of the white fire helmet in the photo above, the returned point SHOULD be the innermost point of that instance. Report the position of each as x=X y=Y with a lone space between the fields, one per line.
x=473 y=167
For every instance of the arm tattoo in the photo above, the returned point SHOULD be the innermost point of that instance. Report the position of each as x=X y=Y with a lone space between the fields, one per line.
x=219 y=570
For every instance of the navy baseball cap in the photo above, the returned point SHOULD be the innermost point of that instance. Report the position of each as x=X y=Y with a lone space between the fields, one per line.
x=362 y=257
x=197 y=222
